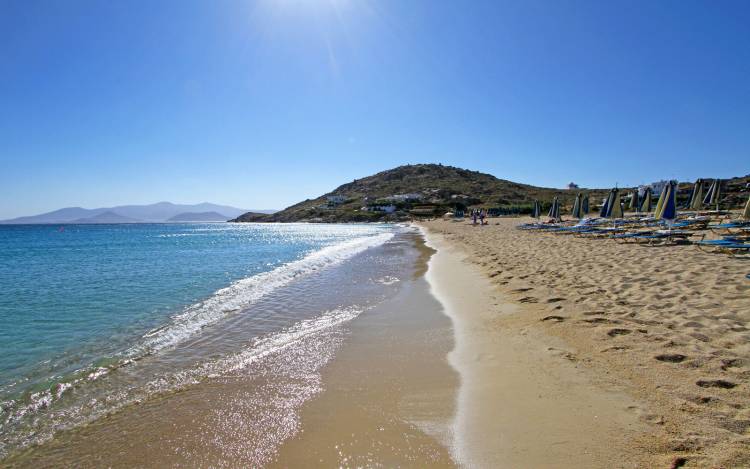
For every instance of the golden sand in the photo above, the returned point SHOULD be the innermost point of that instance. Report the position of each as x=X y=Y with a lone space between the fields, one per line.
x=665 y=327
x=389 y=396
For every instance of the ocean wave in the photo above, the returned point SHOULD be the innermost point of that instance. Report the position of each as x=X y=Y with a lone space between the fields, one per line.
x=222 y=303
x=264 y=346
x=317 y=329
x=245 y=292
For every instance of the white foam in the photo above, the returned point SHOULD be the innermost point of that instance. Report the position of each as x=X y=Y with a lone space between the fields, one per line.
x=264 y=346
x=245 y=292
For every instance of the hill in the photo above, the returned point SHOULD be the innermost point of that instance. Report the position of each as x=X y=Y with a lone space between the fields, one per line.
x=198 y=216
x=106 y=217
x=152 y=213
x=432 y=189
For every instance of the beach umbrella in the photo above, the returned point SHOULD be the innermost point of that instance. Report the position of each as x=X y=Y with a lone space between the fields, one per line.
x=646 y=200
x=669 y=207
x=660 y=202
x=746 y=212
x=634 y=202
x=537 y=212
x=614 y=207
x=585 y=205
x=554 y=210
x=605 y=206
x=577 y=207
x=696 y=198
x=713 y=194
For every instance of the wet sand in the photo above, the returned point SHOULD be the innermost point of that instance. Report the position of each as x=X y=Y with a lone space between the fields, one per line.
x=506 y=396
x=389 y=393
x=665 y=327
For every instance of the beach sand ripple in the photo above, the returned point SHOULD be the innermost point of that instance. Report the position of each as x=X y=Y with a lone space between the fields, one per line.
x=670 y=323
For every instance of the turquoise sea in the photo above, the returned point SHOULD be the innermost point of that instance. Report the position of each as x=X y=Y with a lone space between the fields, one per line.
x=112 y=313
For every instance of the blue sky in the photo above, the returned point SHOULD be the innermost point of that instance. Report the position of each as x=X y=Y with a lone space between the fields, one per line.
x=262 y=104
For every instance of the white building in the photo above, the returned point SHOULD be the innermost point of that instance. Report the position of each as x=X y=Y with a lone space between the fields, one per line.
x=380 y=208
x=656 y=187
x=335 y=199
x=404 y=197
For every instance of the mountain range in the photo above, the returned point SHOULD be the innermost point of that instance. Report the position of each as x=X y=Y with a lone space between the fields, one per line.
x=153 y=213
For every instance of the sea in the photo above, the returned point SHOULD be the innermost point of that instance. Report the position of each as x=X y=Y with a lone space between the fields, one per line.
x=101 y=320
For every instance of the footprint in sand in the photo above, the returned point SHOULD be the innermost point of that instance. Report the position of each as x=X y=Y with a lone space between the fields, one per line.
x=554 y=318
x=703 y=399
x=727 y=363
x=528 y=299
x=739 y=427
x=693 y=324
x=616 y=348
x=521 y=290
x=555 y=300
x=699 y=336
x=617 y=331
x=594 y=313
x=597 y=321
x=715 y=383
x=671 y=357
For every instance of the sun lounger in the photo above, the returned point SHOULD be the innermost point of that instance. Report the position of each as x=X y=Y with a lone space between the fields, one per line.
x=663 y=237
x=601 y=232
x=727 y=245
x=730 y=224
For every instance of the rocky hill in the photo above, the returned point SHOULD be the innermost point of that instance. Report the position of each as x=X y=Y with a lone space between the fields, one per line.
x=421 y=189
x=431 y=189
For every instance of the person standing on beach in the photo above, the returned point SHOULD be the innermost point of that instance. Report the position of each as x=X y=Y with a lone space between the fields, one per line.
x=474 y=216
x=481 y=217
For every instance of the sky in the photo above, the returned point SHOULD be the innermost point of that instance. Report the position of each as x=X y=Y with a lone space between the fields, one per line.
x=260 y=104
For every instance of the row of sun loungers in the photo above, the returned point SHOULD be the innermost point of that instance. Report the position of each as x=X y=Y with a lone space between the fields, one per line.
x=735 y=235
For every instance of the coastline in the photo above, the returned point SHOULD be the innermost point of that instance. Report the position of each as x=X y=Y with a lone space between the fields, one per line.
x=389 y=393
x=522 y=401
x=469 y=346
x=229 y=394
x=663 y=327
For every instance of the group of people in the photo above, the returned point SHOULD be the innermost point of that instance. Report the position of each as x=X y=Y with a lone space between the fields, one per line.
x=481 y=214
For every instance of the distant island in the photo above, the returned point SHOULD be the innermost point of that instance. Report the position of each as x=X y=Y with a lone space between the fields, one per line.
x=198 y=216
x=427 y=190
x=154 y=213
x=105 y=217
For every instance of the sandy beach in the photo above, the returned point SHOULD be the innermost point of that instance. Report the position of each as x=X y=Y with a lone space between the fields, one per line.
x=389 y=398
x=602 y=354
x=497 y=348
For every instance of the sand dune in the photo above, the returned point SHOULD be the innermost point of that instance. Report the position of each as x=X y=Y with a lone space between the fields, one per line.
x=667 y=324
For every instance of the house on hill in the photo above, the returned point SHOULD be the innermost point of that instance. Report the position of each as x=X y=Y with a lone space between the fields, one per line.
x=414 y=196
x=380 y=208
x=335 y=199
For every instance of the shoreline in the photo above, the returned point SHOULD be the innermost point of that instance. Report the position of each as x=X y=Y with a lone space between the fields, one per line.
x=667 y=326
x=489 y=348
x=228 y=396
x=522 y=402
x=389 y=393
